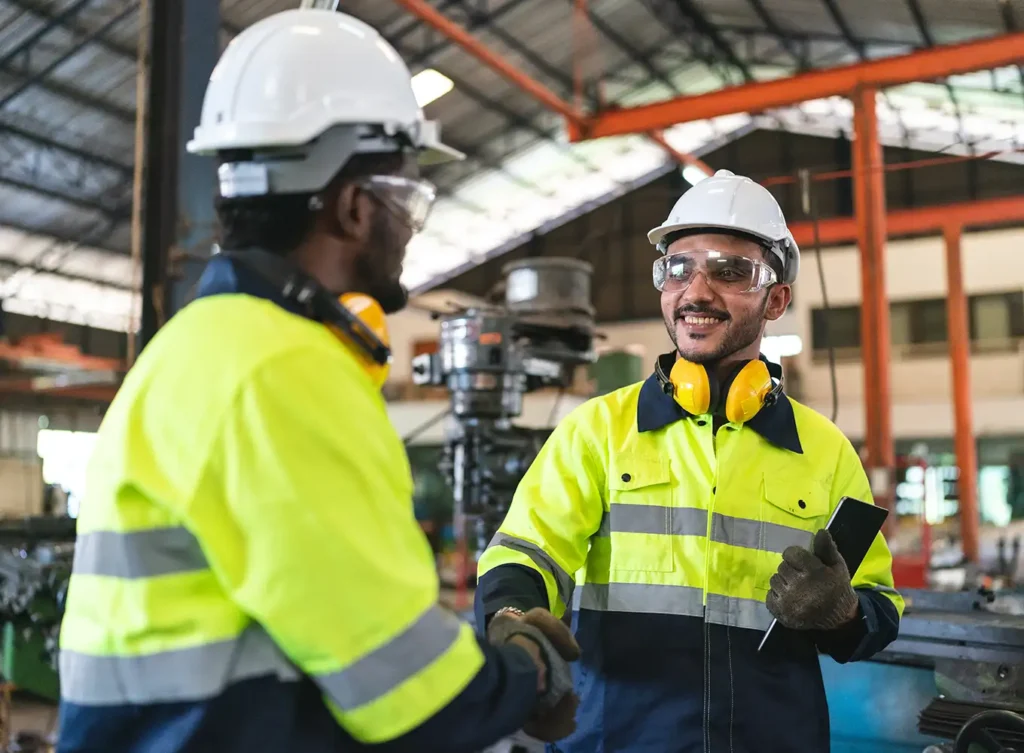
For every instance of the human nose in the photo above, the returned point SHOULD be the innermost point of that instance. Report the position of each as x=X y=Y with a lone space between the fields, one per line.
x=699 y=289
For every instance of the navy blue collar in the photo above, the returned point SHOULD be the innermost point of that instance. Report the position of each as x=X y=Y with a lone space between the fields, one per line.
x=776 y=423
x=223 y=275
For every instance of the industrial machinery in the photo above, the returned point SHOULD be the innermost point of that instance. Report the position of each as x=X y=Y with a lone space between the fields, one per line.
x=489 y=357
x=35 y=567
x=953 y=679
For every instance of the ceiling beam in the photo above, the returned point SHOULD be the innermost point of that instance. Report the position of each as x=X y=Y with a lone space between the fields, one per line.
x=917 y=221
x=82 y=202
x=49 y=142
x=42 y=74
x=923 y=65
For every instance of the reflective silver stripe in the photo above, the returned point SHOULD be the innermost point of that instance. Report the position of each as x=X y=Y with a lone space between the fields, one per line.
x=756 y=534
x=678 y=521
x=191 y=674
x=641 y=597
x=541 y=559
x=138 y=554
x=742 y=613
x=384 y=669
x=683 y=601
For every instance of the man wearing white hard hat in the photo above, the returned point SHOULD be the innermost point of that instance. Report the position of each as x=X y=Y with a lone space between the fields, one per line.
x=675 y=517
x=249 y=576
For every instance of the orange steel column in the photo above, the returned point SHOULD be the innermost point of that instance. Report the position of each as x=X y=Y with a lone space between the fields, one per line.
x=869 y=209
x=960 y=358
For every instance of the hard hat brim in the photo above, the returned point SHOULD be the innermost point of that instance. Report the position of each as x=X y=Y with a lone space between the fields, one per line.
x=438 y=153
x=658 y=234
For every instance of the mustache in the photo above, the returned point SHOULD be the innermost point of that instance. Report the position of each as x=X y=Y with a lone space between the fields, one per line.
x=692 y=309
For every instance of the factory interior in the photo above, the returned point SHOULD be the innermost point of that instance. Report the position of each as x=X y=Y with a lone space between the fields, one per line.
x=891 y=133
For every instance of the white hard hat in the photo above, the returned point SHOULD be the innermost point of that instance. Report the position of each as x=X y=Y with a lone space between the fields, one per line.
x=306 y=86
x=732 y=202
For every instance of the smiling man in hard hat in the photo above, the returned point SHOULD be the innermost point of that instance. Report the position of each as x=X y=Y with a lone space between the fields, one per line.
x=675 y=517
x=249 y=576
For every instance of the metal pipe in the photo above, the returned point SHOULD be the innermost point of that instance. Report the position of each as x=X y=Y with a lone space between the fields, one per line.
x=579 y=21
x=869 y=208
x=436 y=20
x=138 y=175
x=960 y=361
x=917 y=164
x=922 y=65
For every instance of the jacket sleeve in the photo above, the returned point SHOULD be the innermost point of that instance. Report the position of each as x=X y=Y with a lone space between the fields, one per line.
x=558 y=506
x=305 y=515
x=881 y=606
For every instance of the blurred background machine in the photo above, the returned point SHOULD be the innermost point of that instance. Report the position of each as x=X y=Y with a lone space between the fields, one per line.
x=952 y=680
x=534 y=336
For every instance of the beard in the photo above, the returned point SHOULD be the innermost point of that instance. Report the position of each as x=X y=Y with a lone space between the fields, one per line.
x=740 y=334
x=373 y=268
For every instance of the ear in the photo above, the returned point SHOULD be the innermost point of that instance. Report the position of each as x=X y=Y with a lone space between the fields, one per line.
x=779 y=298
x=354 y=212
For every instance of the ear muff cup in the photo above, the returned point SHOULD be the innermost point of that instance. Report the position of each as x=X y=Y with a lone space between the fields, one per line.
x=692 y=388
x=369 y=312
x=745 y=390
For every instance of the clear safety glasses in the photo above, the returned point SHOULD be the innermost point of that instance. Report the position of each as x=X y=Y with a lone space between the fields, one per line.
x=408 y=198
x=724 y=273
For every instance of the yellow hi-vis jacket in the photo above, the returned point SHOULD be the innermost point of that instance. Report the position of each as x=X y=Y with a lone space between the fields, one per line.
x=248 y=516
x=661 y=534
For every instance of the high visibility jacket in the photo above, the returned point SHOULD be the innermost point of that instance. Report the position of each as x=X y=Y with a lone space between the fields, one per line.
x=248 y=573
x=661 y=531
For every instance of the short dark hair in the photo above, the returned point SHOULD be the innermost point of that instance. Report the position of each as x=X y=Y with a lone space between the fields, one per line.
x=279 y=223
x=773 y=261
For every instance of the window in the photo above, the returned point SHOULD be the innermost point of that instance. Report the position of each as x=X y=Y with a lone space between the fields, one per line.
x=840 y=328
x=996 y=321
x=928 y=321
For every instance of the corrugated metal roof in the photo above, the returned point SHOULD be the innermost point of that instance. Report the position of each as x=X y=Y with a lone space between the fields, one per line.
x=67 y=104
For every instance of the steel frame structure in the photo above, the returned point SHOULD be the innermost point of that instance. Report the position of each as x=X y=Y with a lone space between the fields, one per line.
x=711 y=44
x=862 y=83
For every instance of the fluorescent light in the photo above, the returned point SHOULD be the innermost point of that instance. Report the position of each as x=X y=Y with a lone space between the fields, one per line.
x=694 y=175
x=429 y=85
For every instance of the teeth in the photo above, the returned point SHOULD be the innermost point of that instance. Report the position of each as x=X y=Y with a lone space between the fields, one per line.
x=699 y=320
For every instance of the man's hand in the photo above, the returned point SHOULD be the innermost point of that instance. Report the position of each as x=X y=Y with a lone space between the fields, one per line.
x=555 y=716
x=812 y=591
x=556 y=723
x=555 y=631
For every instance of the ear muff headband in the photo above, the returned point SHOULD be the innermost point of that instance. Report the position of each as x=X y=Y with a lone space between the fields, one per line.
x=747 y=390
x=356 y=319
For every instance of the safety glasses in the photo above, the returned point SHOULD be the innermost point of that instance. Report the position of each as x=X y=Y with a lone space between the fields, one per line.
x=408 y=198
x=724 y=273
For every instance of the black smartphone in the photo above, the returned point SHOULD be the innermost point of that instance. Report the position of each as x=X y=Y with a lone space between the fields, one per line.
x=854 y=525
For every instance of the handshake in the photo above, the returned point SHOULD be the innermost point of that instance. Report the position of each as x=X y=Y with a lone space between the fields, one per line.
x=551 y=646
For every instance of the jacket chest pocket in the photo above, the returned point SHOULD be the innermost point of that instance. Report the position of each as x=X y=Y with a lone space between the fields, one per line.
x=792 y=510
x=639 y=519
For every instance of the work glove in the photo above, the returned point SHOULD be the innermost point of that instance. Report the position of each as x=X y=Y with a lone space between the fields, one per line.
x=812 y=590
x=555 y=715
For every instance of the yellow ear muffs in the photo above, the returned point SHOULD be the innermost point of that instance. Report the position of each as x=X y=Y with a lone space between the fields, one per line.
x=747 y=392
x=691 y=387
x=369 y=312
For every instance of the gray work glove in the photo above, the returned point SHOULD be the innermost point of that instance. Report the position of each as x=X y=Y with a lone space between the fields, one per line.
x=555 y=717
x=812 y=590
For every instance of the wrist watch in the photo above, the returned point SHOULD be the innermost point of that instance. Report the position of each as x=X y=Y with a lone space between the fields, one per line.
x=515 y=611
